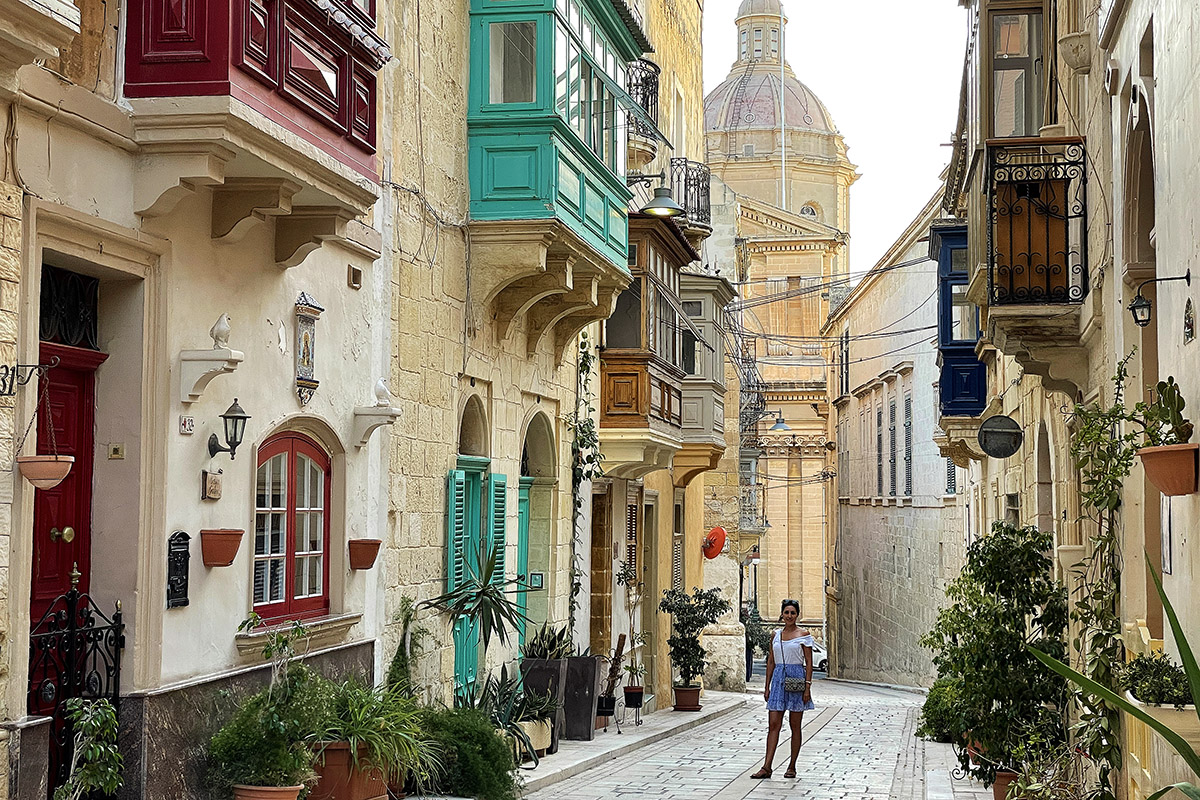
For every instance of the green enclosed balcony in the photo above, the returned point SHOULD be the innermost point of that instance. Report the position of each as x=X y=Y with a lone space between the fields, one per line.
x=547 y=120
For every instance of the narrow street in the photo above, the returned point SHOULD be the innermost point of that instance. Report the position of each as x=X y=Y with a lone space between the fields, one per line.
x=859 y=743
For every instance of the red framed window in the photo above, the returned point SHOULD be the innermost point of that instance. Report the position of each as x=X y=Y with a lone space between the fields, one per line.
x=291 y=528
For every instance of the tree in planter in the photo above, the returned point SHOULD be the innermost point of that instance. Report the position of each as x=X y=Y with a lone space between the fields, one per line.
x=95 y=761
x=1004 y=600
x=690 y=615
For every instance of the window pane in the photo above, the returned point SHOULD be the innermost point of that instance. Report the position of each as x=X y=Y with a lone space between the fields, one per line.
x=962 y=315
x=560 y=71
x=513 y=65
x=624 y=327
x=689 y=353
x=1017 y=74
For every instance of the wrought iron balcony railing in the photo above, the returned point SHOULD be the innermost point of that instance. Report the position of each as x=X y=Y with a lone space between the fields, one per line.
x=642 y=85
x=689 y=185
x=1037 y=221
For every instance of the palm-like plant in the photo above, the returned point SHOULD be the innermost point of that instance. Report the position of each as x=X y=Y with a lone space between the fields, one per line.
x=1190 y=757
x=483 y=599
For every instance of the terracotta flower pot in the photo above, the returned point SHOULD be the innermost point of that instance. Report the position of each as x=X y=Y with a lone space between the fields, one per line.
x=220 y=546
x=1000 y=787
x=266 y=792
x=45 y=472
x=363 y=552
x=687 y=698
x=337 y=779
x=1171 y=467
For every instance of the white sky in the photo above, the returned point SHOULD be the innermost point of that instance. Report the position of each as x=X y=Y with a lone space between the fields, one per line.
x=892 y=90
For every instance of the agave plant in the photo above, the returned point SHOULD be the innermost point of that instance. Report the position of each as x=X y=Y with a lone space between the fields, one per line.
x=549 y=643
x=507 y=703
x=484 y=600
x=1190 y=757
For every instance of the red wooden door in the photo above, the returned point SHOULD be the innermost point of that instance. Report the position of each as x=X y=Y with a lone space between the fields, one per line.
x=70 y=393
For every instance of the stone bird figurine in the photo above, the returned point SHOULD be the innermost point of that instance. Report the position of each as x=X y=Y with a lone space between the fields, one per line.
x=220 y=333
x=383 y=397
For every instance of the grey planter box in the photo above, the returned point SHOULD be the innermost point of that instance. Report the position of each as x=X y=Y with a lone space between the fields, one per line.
x=583 y=687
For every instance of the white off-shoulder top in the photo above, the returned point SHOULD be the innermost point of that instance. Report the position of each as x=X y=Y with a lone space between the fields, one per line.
x=795 y=648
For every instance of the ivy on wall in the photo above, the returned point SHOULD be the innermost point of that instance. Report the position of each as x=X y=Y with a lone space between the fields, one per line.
x=585 y=461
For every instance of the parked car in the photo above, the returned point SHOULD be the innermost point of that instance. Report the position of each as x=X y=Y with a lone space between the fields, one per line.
x=820 y=658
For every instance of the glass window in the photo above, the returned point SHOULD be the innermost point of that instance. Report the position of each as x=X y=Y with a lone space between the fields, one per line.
x=963 y=327
x=513 y=77
x=758 y=43
x=1017 y=74
x=624 y=327
x=774 y=43
x=291 y=528
x=690 y=365
x=745 y=43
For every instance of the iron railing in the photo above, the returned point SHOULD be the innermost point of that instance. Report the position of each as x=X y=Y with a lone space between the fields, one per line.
x=1037 y=221
x=74 y=651
x=689 y=186
x=642 y=85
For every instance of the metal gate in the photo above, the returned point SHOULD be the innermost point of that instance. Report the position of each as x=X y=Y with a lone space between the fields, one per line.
x=74 y=651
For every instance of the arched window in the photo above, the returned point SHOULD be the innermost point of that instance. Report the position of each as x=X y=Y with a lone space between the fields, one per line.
x=808 y=210
x=291 y=528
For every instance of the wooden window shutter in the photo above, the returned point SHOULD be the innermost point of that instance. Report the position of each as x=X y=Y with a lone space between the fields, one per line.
x=497 y=516
x=456 y=529
x=892 y=448
x=908 y=446
x=631 y=535
x=677 y=562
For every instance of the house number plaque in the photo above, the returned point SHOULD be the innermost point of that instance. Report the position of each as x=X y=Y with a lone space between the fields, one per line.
x=179 y=557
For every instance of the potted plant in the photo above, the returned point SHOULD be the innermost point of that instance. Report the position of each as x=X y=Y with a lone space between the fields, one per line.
x=606 y=704
x=371 y=736
x=544 y=670
x=1159 y=687
x=95 y=761
x=1169 y=456
x=690 y=615
x=635 y=693
x=941 y=718
x=517 y=713
x=1050 y=770
x=1185 y=749
x=1004 y=599
x=264 y=752
x=580 y=696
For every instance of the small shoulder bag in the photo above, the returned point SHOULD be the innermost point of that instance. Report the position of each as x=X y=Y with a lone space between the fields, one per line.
x=791 y=683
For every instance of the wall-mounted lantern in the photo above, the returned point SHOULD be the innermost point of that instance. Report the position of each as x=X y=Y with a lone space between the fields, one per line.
x=1141 y=308
x=234 y=419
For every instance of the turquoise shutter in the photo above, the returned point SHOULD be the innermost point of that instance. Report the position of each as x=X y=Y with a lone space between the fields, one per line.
x=497 y=513
x=456 y=529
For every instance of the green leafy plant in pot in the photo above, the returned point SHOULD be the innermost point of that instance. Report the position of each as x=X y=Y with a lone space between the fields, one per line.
x=264 y=752
x=1004 y=600
x=95 y=761
x=544 y=671
x=606 y=704
x=690 y=615
x=1169 y=456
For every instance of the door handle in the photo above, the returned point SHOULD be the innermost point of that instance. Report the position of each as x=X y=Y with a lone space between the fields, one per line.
x=67 y=534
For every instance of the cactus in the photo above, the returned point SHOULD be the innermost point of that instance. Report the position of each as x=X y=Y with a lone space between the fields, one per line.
x=1165 y=423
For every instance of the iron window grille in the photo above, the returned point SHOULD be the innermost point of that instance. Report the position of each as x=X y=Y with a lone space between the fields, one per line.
x=690 y=188
x=641 y=82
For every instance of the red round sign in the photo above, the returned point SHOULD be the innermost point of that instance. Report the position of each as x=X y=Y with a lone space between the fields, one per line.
x=714 y=543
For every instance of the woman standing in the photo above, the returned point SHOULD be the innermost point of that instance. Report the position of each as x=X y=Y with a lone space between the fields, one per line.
x=789 y=665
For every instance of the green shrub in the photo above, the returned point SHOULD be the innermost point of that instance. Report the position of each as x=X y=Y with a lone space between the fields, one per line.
x=385 y=722
x=1156 y=679
x=758 y=635
x=941 y=716
x=266 y=743
x=476 y=761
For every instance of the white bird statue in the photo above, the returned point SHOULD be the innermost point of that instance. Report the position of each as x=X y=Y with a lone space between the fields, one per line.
x=220 y=333
x=383 y=397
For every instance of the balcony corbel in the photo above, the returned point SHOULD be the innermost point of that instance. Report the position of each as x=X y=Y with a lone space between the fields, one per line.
x=305 y=229
x=518 y=297
x=169 y=172
x=33 y=29
x=694 y=459
x=546 y=314
x=1045 y=341
x=241 y=203
x=569 y=327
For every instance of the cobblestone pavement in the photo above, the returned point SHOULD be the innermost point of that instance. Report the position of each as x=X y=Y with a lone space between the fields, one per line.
x=858 y=744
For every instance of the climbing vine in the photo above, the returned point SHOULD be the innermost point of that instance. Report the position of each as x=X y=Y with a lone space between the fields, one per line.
x=585 y=460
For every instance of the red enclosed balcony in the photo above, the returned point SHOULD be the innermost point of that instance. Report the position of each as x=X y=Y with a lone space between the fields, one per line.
x=304 y=69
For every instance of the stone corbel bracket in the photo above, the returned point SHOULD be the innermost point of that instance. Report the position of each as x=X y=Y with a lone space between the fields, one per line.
x=197 y=368
x=241 y=203
x=368 y=418
x=305 y=229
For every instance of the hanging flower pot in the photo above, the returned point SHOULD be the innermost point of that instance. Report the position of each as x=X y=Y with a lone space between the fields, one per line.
x=1171 y=467
x=363 y=552
x=45 y=471
x=220 y=546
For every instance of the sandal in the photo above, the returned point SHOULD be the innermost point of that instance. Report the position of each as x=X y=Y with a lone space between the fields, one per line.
x=762 y=773
x=791 y=773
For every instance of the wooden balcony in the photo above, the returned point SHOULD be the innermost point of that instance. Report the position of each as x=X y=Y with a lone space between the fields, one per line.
x=641 y=402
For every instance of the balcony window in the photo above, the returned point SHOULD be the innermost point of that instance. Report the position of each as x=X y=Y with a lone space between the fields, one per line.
x=1017 y=74
x=624 y=328
x=513 y=74
x=745 y=44
x=962 y=385
x=689 y=353
x=758 y=43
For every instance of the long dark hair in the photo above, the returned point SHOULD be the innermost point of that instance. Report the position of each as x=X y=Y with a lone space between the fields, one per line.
x=787 y=603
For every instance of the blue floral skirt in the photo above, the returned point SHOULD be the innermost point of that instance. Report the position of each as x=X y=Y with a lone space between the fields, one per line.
x=780 y=700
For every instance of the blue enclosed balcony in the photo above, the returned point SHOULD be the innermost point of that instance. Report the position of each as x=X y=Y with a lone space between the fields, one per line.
x=962 y=384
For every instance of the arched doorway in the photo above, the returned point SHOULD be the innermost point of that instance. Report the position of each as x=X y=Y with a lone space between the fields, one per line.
x=535 y=519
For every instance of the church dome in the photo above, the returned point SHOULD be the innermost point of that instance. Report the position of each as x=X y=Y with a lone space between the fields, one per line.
x=748 y=8
x=757 y=107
